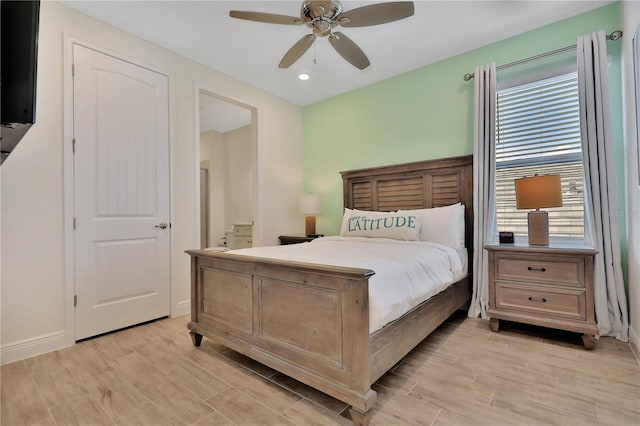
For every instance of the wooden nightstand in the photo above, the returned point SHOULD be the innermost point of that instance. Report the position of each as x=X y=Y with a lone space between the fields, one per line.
x=290 y=239
x=545 y=286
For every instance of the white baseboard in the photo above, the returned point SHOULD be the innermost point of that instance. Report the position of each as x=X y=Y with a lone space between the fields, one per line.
x=15 y=351
x=181 y=308
x=634 y=340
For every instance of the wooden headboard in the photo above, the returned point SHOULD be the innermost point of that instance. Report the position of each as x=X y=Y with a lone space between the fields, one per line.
x=424 y=184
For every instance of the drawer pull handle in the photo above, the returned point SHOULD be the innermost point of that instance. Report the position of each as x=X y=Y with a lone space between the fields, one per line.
x=541 y=300
x=532 y=268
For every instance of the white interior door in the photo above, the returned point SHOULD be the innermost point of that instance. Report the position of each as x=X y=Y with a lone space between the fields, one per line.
x=121 y=178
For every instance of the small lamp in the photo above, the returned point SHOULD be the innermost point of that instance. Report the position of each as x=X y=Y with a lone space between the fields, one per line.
x=310 y=205
x=535 y=193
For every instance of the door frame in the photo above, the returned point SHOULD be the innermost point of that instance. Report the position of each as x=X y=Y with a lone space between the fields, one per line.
x=68 y=167
x=256 y=198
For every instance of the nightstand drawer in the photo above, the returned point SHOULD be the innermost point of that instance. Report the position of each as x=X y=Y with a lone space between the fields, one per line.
x=564 y=303
x=540 y=269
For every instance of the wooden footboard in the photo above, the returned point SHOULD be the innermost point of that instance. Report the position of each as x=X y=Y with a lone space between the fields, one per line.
x=310 y=322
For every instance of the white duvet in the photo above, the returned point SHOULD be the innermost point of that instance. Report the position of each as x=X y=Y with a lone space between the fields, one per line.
x=406 y=272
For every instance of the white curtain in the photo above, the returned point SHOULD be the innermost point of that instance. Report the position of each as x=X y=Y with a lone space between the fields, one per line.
x=601 y=219
x=484 y=194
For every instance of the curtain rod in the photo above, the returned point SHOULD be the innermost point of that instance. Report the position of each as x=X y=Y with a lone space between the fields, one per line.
x=616 y=35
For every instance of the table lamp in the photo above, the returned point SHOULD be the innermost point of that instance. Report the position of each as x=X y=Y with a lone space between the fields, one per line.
x=538 y=192
x=310 y=205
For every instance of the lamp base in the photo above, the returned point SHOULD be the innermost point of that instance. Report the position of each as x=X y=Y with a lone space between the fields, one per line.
x=310 y=225
x=538 y=228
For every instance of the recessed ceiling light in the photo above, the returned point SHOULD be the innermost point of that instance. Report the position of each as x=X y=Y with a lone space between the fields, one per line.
x=303 y=76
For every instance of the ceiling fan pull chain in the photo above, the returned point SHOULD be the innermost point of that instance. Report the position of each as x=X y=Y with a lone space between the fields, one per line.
x=315 y=54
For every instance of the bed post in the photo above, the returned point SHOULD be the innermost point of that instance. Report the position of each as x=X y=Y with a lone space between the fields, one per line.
x=358 y=418
x=361 y=353
x=196 y=338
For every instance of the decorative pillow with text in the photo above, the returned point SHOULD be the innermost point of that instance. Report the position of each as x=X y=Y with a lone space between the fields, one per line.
x=397 y=226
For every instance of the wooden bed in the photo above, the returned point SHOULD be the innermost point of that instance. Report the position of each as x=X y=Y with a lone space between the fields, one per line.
x=249 y=304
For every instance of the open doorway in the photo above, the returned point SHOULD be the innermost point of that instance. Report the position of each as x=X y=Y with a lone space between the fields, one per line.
x=227 y=164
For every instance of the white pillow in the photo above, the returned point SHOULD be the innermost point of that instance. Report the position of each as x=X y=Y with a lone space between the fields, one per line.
x=345 y=220
x=443 y=225
x=397 y=226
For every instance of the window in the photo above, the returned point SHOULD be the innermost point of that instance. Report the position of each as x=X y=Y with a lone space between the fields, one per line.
x=538 y=131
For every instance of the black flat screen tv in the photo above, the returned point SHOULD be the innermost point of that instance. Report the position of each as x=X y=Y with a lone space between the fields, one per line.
x=18 y=63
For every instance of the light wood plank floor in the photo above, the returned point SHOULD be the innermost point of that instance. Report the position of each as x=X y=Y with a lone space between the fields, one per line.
x=463 y=374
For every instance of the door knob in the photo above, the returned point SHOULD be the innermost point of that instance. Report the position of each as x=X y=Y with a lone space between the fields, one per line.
x=163 y=225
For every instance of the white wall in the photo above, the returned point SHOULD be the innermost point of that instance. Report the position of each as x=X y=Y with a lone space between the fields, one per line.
x=230 y=158
x=630 y=16
x=239 y=176
x=35 y=299
x=212 y=151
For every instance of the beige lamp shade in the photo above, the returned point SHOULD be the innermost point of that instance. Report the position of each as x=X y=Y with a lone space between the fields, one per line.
x=538 y=192
x=310 y=204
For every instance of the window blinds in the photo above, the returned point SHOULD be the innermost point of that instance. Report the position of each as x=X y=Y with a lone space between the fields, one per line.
x=539 y=122
x=538 y=131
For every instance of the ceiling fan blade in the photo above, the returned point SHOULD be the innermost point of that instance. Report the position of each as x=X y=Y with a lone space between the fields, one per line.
x=349 y=50
x=297 y=51
x=269 y=18
x=375 y=14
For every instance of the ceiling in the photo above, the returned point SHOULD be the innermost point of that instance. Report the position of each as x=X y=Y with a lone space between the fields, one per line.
x=251 y=51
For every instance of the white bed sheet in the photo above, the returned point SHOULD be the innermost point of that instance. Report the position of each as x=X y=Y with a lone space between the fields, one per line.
x=406 y=272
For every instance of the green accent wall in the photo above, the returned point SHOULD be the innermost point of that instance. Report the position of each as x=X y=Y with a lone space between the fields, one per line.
x=427 y=113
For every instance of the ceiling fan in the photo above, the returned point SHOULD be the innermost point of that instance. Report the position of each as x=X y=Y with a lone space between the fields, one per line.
x=322 y=17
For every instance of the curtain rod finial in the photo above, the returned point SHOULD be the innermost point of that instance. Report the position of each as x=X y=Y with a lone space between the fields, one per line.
x=616 y=35
x=468 y=76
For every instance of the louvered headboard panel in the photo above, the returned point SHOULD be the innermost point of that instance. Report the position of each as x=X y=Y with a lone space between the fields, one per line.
x=425 y=184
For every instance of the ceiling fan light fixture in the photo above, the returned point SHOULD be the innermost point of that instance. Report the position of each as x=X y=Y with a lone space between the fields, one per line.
x=321 y=27
x=312 y=9
x=303 y=76
x=323 y=16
